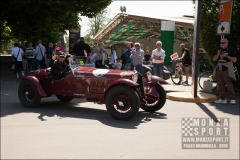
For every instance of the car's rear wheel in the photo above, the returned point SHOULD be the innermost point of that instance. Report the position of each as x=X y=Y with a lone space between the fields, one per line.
x=155 y=104
x=122 y=102
x=28 y=94
x=64 y=99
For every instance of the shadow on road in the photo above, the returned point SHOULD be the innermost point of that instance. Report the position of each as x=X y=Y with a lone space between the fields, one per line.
x=228 y=108
x=207 y=111
x=72 y=110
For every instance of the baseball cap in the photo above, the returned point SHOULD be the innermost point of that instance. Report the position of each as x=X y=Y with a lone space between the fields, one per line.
x=61 y=54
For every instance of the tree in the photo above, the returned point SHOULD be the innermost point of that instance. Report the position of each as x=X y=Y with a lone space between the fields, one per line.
x=88 y=39
x=209 y=17
x=95 y=24
x=47 y=20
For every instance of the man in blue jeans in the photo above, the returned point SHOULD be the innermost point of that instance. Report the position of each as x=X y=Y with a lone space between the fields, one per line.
x=30 y=57
x=137 y=57
x=39 y=54
x=127 y=54
x=158 y=56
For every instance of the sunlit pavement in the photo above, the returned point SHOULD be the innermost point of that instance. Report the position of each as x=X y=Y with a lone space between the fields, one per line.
x=81 y=129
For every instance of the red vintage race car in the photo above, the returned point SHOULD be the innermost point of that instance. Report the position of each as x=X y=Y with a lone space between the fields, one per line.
x=123 y=92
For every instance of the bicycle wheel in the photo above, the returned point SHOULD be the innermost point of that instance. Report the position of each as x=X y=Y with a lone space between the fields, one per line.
x=176 y=79
x=236 y=84
x=206 y=76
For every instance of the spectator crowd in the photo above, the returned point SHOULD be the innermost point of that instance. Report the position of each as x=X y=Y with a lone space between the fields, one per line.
x=28 y=57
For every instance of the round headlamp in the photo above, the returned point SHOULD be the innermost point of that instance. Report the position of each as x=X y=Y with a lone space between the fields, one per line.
x=135 y=77
x=149 y=76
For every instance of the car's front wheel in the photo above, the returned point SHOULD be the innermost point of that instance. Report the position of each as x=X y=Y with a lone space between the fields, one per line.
x=122 y=102
x=155 y=104
x=64 y=99
x=28 y=94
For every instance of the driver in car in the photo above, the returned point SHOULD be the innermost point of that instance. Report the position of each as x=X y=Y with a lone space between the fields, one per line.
x=59 y=66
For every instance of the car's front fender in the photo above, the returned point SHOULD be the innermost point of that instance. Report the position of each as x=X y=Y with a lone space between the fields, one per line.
x=156 y=79
x=36 y=82
x=117 y=82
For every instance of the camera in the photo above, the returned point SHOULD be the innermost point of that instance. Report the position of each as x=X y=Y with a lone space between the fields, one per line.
x=221 y=51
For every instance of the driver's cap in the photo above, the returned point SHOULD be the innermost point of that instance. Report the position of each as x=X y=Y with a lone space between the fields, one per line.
x=61 y=54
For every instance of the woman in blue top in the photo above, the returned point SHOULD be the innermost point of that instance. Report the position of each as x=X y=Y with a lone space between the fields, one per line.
x=113 y=55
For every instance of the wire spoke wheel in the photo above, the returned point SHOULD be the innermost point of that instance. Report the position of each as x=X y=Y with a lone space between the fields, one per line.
x=236 y=84
x=207 y=76
x=176 y=77
x=153 y=103
x=122 y=103
x=28 y=94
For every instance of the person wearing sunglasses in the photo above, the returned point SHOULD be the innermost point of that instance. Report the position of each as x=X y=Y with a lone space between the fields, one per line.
x=137 y=57
x=58 y=66
x=224 y=71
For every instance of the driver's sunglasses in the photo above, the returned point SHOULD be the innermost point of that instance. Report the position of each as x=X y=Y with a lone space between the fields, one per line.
x=61 y=57
x=222 y=42
x=136 y=45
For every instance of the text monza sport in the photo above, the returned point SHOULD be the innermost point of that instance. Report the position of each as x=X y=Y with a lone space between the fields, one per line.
x=208 y=134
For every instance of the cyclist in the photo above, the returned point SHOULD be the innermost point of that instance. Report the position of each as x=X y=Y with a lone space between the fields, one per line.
x=186 y=61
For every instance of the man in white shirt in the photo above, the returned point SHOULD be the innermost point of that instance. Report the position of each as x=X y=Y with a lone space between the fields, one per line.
x=39 y=54
x=17 y=52
x=157 y=57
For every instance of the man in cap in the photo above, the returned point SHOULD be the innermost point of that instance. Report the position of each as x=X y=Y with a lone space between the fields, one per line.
x=58 y=65
x=81 y=49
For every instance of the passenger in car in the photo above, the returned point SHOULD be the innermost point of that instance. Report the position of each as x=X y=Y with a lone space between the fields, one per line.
x=59 y=66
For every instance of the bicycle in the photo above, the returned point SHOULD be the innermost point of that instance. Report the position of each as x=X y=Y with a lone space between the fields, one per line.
x=177 y=73
x=207 y=76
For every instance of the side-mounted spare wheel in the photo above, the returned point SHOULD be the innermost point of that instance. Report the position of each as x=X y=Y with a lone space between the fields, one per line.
x=157 y=104
x=122 y=102
x=28 y=94
x=64 y=99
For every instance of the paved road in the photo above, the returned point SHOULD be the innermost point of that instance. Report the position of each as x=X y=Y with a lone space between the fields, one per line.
x=85 y=130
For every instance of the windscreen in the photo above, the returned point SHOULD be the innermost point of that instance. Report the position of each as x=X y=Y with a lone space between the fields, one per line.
x=78 y=61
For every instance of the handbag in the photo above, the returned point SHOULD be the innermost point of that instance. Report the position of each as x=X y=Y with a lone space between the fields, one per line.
x=43 y=59
x=15 y=58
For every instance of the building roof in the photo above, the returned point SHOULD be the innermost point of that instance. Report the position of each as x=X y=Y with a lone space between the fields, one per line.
x=125 y=26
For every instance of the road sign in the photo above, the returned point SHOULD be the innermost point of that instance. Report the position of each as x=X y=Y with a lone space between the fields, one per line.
x=74 y=35
x=224 y=17
x=174 y=56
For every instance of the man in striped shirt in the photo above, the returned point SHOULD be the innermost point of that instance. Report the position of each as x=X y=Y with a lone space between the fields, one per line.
x=30 y=56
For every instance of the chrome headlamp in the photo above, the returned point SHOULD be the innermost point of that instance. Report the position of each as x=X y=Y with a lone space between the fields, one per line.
x=149 y=76
x=135 y=77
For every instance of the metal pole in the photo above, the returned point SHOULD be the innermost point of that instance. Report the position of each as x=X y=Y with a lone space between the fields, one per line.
x=198 y=9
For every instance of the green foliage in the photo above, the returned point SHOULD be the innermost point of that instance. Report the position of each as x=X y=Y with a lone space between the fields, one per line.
x=88 y=40
x=47 y=19
x=95 y=24
x=5 y=35
x=209 y=18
